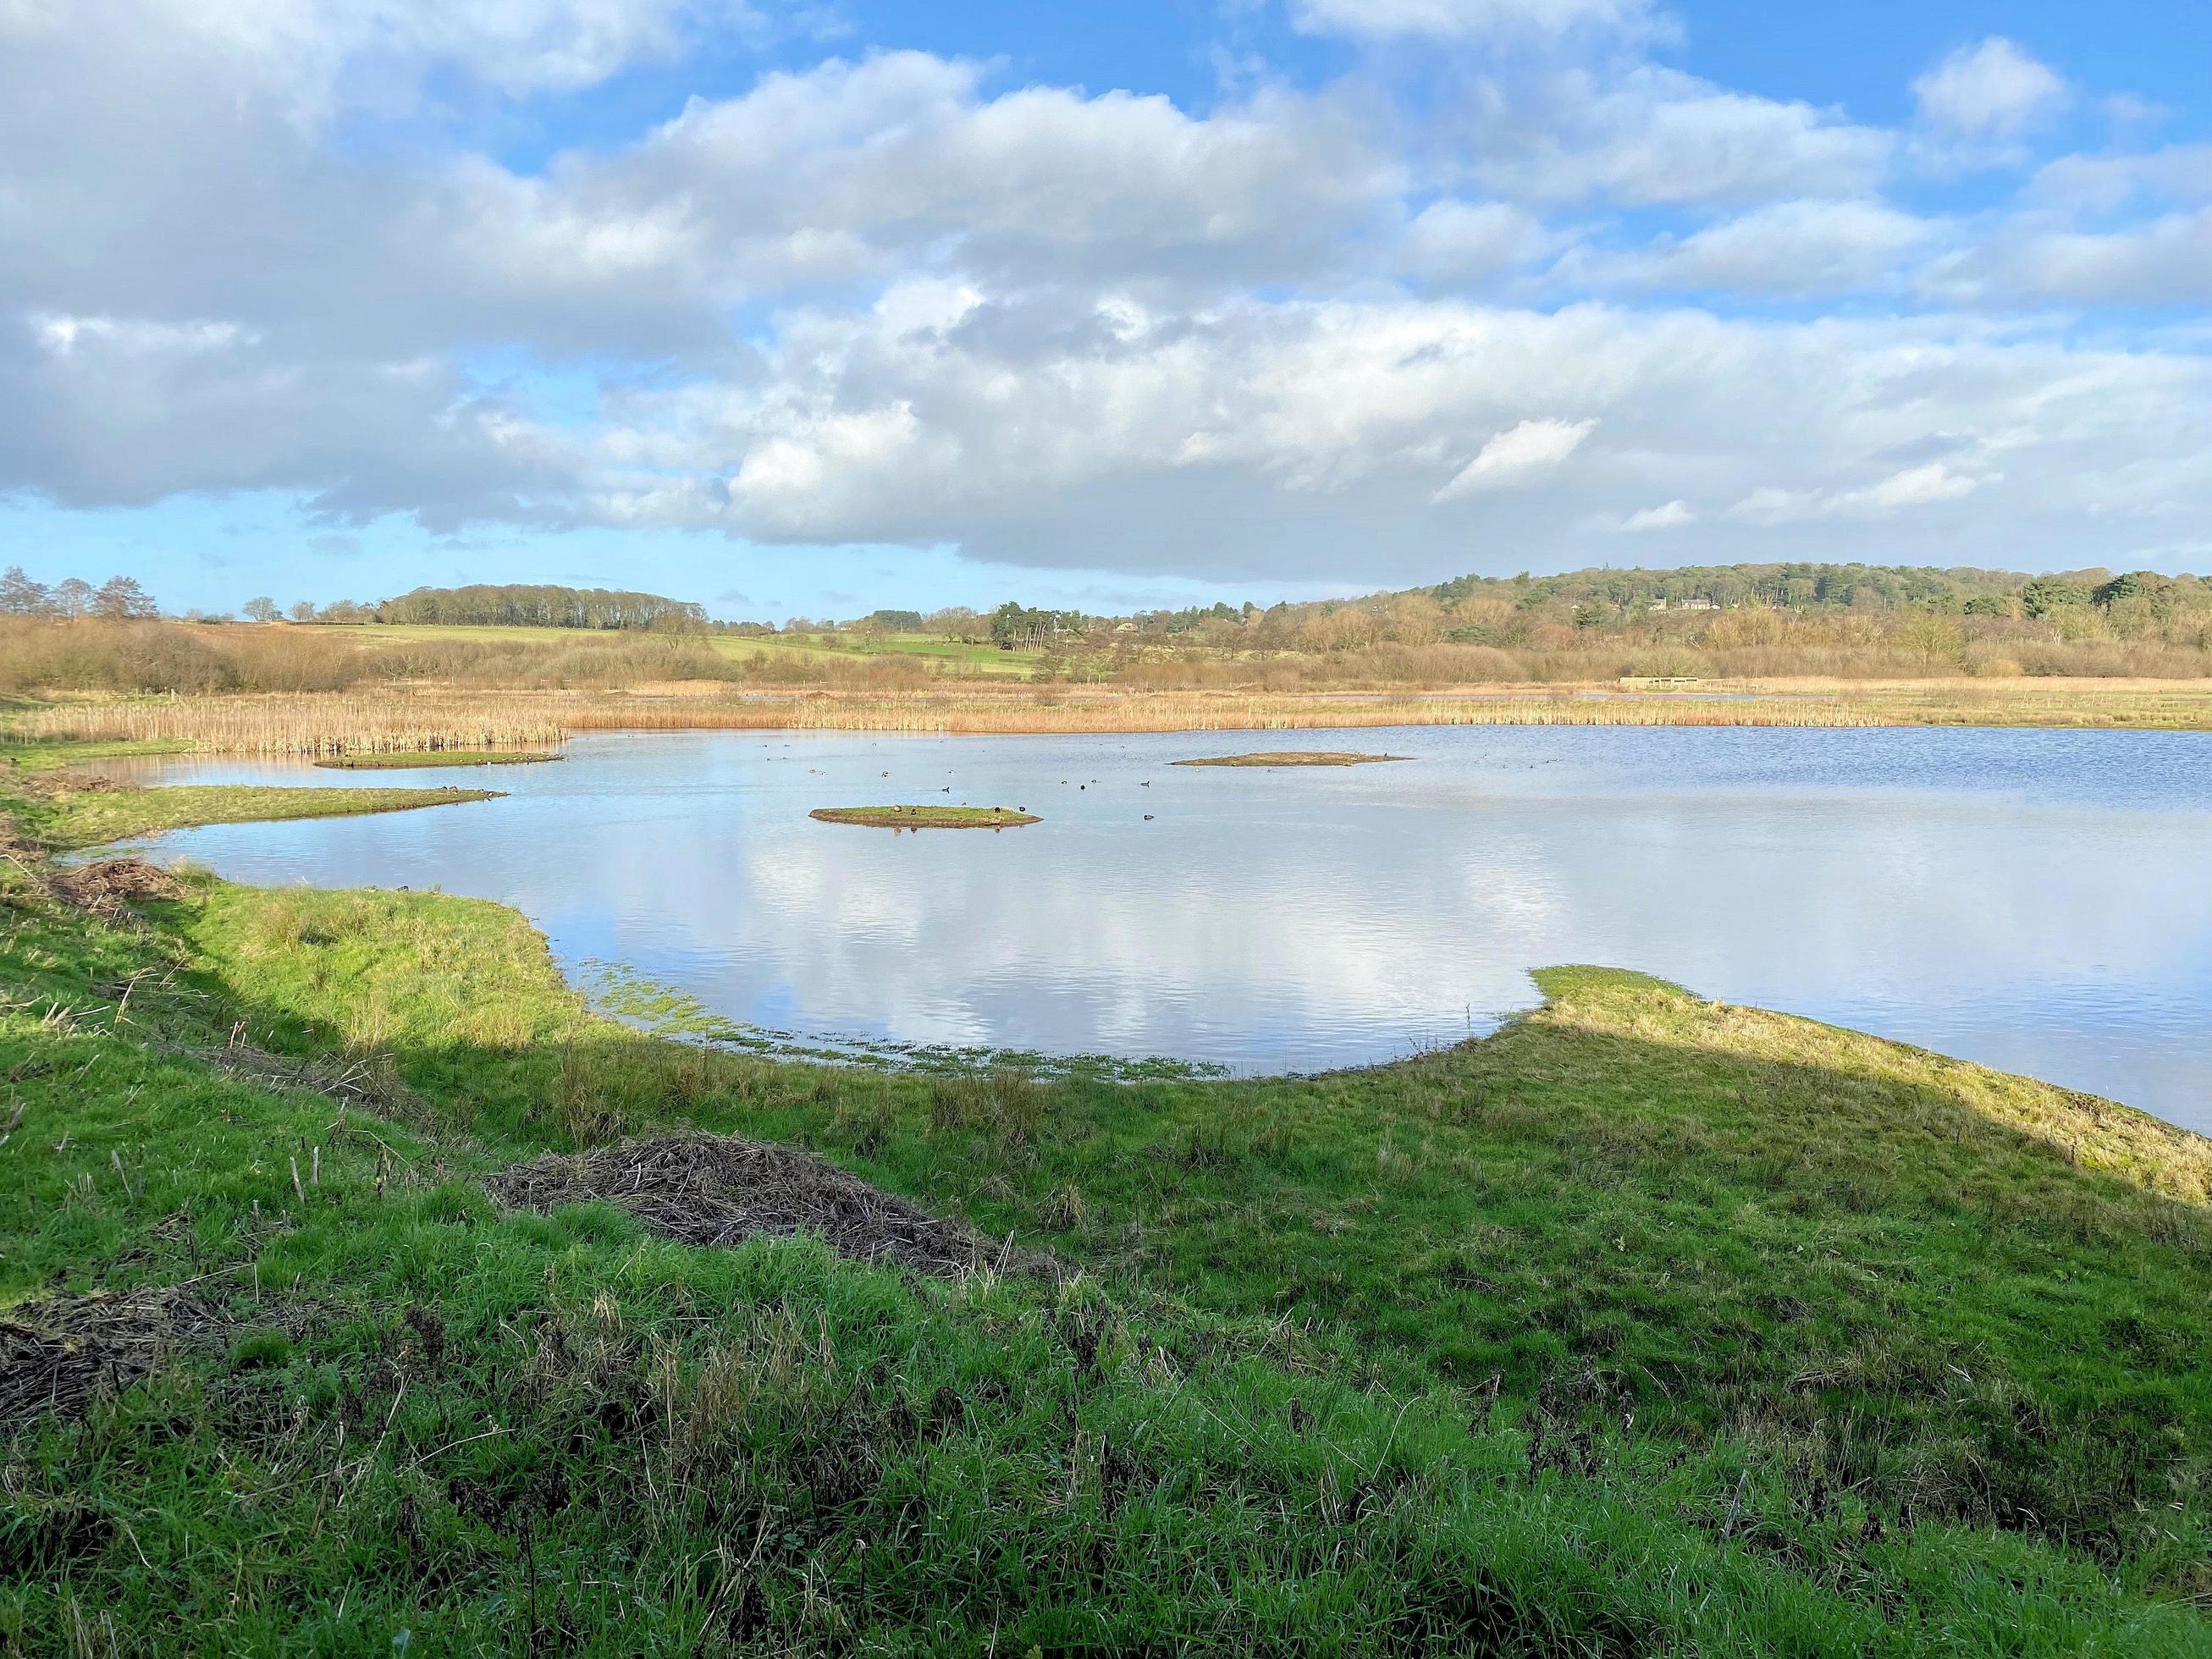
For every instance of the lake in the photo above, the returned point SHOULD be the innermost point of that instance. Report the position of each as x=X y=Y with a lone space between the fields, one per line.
x=2039 y=900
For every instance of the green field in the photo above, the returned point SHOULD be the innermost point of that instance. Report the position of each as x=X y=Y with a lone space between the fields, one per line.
x=1648 y=1326
x=984 y=658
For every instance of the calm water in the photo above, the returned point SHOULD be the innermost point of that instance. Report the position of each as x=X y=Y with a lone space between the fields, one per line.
x=2041 y=901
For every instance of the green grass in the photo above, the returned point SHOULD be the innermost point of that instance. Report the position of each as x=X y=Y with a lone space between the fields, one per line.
x=983 y=659
x=925 y=817
x=414 y=760
x=95 y=816
x=1649 y=1325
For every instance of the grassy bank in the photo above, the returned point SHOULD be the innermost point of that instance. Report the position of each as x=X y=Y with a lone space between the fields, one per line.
x=91 y=817
x=1650 y=1325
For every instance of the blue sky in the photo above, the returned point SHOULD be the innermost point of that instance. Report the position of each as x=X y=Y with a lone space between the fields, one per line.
x=805 y=309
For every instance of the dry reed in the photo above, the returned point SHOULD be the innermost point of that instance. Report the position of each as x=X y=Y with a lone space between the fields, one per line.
x=441 y=718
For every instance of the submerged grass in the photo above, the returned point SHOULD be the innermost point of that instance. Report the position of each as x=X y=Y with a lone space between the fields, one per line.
x=1647 y=1326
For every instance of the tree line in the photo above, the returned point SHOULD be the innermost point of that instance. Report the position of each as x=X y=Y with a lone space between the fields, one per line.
x=511 y=604
x=119 y=599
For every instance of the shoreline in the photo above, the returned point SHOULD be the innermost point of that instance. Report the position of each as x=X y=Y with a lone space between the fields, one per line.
x=415 y=718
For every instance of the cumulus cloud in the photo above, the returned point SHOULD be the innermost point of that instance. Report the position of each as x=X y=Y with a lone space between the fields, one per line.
x=99 y=411
x=1993 y=90
x=1267 y=438
x=897 y=297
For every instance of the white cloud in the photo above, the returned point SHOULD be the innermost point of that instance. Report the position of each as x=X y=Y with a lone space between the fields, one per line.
x=1653 y=135
x=1913 y=486
x=1993 y=90
x=1669 y=515
x=1451 y=20
x=1456 y=240
x=1266 y=438
x=307 y=48
x=896 y=299
x=1792 y=247
x=1514 y=456
x=2166 y=261
x=99 y=411
x=2104 y=183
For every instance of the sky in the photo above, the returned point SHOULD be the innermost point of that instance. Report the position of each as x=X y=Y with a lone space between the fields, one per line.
x=808 y=308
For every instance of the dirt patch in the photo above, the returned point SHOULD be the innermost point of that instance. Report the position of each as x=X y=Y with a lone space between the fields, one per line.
x=713 y=1190
x=56 y=1354
x=107 y=886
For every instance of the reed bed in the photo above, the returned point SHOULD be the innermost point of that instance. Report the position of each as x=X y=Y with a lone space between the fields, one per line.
x=320 y=725
x=313 y=725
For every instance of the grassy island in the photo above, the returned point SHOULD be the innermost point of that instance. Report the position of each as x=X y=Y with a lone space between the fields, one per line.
x=364 y=1292
x=414 y=760
x=1291 y=757
x=925 y=817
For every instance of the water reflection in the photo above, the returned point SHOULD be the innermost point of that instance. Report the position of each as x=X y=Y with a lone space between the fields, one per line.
x=2036 y=900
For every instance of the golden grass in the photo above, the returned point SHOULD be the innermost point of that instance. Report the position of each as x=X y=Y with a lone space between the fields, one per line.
x=444 y=717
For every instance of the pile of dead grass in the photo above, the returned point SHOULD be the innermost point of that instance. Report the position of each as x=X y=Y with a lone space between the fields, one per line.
x=715 y=1190
x=57 y=1354
x=106 y=887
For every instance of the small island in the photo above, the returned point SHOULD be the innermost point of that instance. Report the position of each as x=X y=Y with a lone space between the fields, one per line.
x=1292 y=757
x=925 y=818
x=412 y=759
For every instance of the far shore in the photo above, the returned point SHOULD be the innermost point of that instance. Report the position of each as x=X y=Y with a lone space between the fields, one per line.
x=364 y=728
